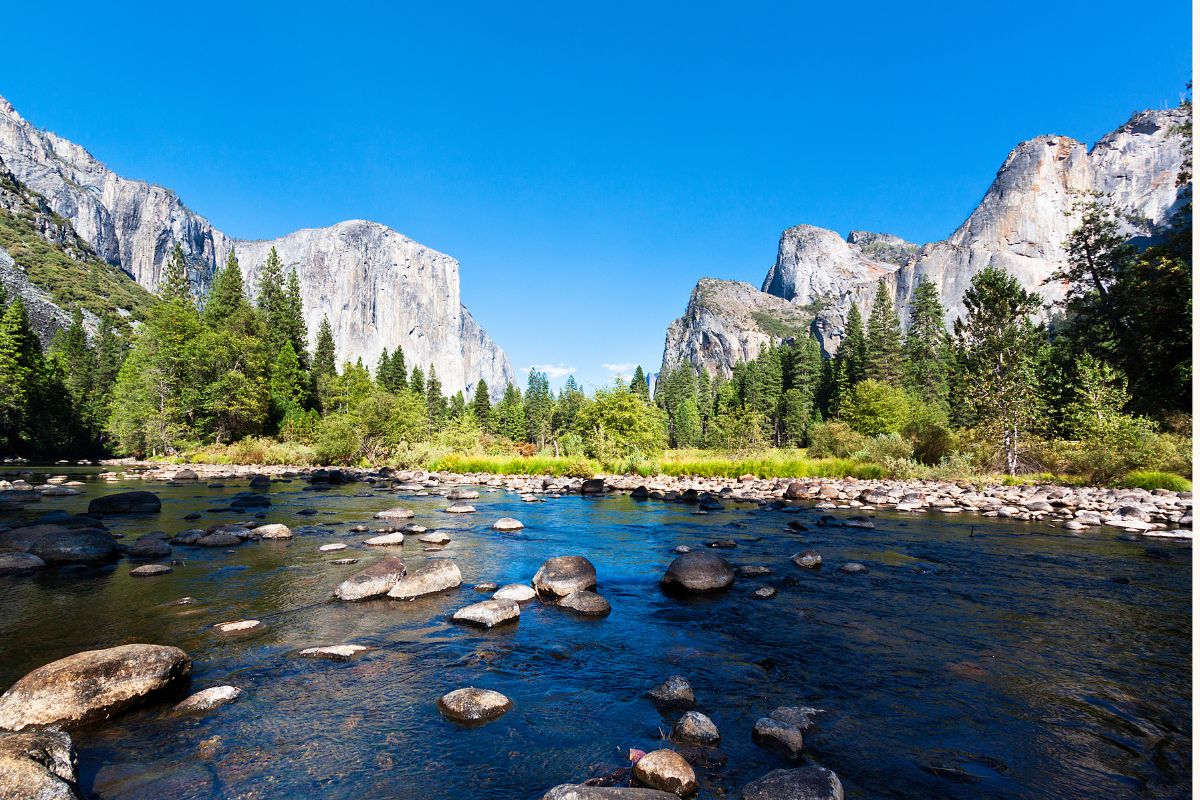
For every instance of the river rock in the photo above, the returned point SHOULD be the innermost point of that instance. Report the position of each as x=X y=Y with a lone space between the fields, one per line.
x=433 y=576
x=149 y=570
x=586 y=603
x=695 y=728
x=387 y=540
x=765 y=592
x=78 y=546
x=489 y=613
x=506 y=524
x=514 y=591
x=752 y=571
x=92 y=685
x=219 y=539
x=802 y=717
x=185 y=474
x=569 y=791
x=473 y=705
x=674 y=692
x=337 y=652
x=668 y=771
x=852 y=568
x=273 y=531
x=561 y=575
x=803 y=783
x=373 y=581
x=488 y=586
x=437 y=537
x=331 y=548
x=462 y=494
x=698 y=571
x=592 y=486
x=237 y=626
x=25 y=536
x=809 y=559
x=15 y=561
x=460 y=508
x=38 y=765
x=399 y=512
x=778 y=737
x=140 y=502
x=208 y=699
x=58 y=491
x=150 y=546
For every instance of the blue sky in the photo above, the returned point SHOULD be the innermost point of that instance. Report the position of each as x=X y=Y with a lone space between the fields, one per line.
x=586 y=163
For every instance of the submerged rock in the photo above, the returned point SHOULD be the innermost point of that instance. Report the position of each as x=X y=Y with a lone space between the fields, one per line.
x=674 y=692
x=460 y=508
x=586 y=603
x=562 y=575
x=92 y=685
x=149 y=570
x=140 y=502
x=373 y=581
x=698 y=571
x=38 y=765
x=803 y=783
x=208 y=699
x=473 y=705
x=489 y=613
x=695 y=728
x=433 y=576
x=16 y=561
x=219 y=539
x=337 y=652
x=387 y=540
x=79 y=546
x=399 y=512
x=852 y=568
x=668 y=771
x=237 y=626
x=149 y=546
x=809 y=559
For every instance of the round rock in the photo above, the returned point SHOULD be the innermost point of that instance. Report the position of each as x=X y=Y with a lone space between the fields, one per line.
x=562 y=575
x=674 y=692
x=695 y=728
x=473 y=705
x=372 y=581
x=273 y=531
x=514 y=591
x=507 y=524
x=489 y=613
x=698 y=571
x=668 y=771
x=586 y=603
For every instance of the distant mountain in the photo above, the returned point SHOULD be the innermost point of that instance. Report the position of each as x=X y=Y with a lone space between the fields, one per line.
x=1021 y=225
x=379 y=288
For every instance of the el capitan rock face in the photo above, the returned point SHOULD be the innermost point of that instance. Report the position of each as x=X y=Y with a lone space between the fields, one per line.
x=1021 y=225
x=379 y=288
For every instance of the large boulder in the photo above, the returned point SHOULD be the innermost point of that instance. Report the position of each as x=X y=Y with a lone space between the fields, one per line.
x=433 y=576
x=592 y=486
x=589 y=604
x=38 y=765
x=375 y=580
x=668 y=771
x=92 y=685
x=698 y=571
x=77 y=546
x=803 y=783
x=140 y=502
x=24 y=537
x=562 y=575
x=473 y=705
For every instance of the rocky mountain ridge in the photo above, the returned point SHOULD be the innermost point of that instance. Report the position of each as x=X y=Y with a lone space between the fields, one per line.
x=379 y=288
x=1021 y=225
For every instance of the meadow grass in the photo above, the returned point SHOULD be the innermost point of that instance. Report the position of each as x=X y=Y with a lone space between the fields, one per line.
x=1151 y=480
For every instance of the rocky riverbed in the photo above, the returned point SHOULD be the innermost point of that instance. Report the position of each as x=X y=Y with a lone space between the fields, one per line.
x=345 y=632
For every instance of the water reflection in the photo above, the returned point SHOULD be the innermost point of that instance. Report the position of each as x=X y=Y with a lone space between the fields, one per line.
x=975 y=658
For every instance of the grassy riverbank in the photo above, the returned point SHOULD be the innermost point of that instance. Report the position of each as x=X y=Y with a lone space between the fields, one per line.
x=768 y=463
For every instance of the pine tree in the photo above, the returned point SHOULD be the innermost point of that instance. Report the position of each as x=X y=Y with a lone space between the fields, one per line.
x=76 y=363
x=997 y=343
x=435 y=401
x=853 y=352
x=297 y=331
x=175 y=284
x=325 y=355
x=228 y=295
x=20 y=372
x=884 y=361
x=399 y=372
x=639 y=385
x=416 y=382
x=272 y=302
x=510 y=415
x=539 y=408
x=288 y=392
x=926 y=371
x=383 y=371
x=482 y=406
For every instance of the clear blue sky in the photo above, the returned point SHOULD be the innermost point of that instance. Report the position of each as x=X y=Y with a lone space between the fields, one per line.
x=586 y=163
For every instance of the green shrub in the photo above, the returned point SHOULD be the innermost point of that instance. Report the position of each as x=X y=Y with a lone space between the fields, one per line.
x=873 y=408
x=338 y=441
x=834 y=440
x=891 y=446
x=1150 y=480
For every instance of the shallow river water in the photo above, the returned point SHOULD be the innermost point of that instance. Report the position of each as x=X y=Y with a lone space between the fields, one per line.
x=976 y=657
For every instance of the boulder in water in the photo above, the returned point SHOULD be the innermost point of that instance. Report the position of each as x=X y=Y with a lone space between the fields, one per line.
x=398 y=512
x=433 y=576
x=515 y=591
x=90 y=686
x=208 y=699
x=38 y=765
x=696 y=728
x=803 y=783
x=140 y=502
x=668 y=771
x=273 y=531
x=780 y=738
x=586 y=603
x=15 y=561
x=473 y=705
x=698 y=571
x=562 y=575
x=570 y=791
x=674 y=692
x=489 y=613
x=507 y=524
x=375 y=580
x=76 y=546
